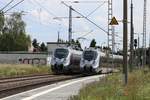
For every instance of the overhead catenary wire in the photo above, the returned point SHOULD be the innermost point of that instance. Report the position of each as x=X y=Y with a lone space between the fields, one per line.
x=87 y=18
x=44 y=8
x=85 y=1
x=96 y=9
x=90 y=21
x=88 y=14
x=87 y=33
x=6 y=5
x=14 y=6
x=89 y=2
x=35 y=4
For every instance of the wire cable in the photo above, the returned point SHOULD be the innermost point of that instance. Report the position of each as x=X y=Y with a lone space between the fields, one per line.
x=84 y=1
x=90 y=21
x=87 y=33
x=96 y=9
x=87 y=19
x=44 y=8
x=13 y=6
x=7 y=5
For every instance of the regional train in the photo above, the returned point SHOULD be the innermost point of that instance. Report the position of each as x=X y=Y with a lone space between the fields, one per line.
x=66 y=60
x=95 y=61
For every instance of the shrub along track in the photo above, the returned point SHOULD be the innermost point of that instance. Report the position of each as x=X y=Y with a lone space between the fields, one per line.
x=10 y=86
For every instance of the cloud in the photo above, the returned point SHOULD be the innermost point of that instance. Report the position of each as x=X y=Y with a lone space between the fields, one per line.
x=99 y=18
x=41 y=15
x=56 y=9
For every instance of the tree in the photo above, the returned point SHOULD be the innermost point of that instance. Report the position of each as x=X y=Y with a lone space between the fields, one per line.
x=43 y=47
x=78 y=43
x=106 y=48
x=35 y=44
x=73 y=41
x=2 y=20
x=93 y=43
x=13 y=37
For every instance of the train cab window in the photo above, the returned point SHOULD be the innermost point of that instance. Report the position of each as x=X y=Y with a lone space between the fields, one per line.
x=61 y=53
x=89 y=55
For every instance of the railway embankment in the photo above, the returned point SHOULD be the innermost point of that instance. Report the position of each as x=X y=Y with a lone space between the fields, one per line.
x=18 y=70
x=113 y=88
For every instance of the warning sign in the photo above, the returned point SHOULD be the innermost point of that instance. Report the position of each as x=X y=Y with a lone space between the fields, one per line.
x=113 y=21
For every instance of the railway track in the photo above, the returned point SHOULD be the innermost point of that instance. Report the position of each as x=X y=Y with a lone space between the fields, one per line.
x=10 y=86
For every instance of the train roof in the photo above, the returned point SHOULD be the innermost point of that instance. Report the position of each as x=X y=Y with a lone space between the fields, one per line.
x=76 y=51
x=103 y=53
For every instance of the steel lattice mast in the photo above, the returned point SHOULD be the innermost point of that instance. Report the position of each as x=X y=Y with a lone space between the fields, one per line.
x=110 y=31
x=144 y=34
x=131 y=39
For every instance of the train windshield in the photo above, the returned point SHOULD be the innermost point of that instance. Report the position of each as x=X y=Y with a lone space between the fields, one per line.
x=90 y=55
x=61 y=53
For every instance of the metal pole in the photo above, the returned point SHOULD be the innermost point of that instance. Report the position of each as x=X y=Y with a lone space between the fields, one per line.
x=113 y=38
x=58 y=40
x=131 y=39
x=125 y=41
x=138 y=42
x=70 y=25
x=138 y=51
x=110 y=33
x=144 y=35
x=149 y=51
x=113 y=44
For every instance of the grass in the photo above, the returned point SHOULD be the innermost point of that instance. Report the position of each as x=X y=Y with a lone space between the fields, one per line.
x=112 y=88
x=13 y=70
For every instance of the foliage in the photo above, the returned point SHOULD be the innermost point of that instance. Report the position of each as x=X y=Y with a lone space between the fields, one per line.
x=2 y=19
x=13 y=36
x=12 y=70
x=139 y=53
x=43 y=47
x=35 y=44
x=73 y=41
x=78 y=43
x=106 y=48
x=60 y=41
x=38 y=47
x=93 y=43
x=112 y=88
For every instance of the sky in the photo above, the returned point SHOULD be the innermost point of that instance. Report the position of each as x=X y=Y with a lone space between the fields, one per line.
x=42 y=23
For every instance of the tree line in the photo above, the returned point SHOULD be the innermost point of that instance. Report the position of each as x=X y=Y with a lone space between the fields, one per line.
x=37 y=47
x=13 y=36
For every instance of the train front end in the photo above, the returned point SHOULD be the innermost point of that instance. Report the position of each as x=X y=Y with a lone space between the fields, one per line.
x=90 y=61
x=60 y=60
